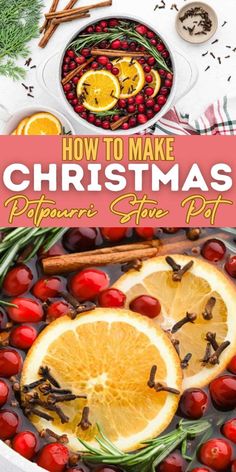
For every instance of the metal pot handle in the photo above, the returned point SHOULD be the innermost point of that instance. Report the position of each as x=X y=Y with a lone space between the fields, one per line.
x=187 y=75
x=45 y=75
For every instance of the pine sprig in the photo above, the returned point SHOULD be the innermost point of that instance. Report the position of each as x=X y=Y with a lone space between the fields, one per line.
x=153 y=453
x=18 y=25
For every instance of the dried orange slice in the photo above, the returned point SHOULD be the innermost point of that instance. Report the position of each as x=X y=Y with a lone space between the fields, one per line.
x=107 y=355
x=156 y=83
x=21 y=126
x=99 y=90
x=131 y=76
x=43 y=124
x=14 y=133
x=198 y=285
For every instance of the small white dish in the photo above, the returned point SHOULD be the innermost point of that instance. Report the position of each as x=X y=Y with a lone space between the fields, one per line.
x=199 y=34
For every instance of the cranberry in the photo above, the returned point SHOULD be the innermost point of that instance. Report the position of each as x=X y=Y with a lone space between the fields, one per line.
x=164 y=91
x=115 y=71
x=147 y=69
x=162 y=72
x=173 y=463
x=56 y=250
x=112 y=297
x=75 y=80
x=161 y=100
x=141 y=29
x=223 y=392
x=150 y=114
x=124 y=45
x=47 y=287
x=103 y=24
x=151 y=61
x=233 y=466
x=70 y=95
x=9 y=422
x=216 y=453
x=70 y=53
x=57 y=309
x=91 y=118
x=26 y=310
x=75 y=101
x=168 y=83
x=132 y=121
x=122 y=103
x=25 y=443
x=230 y=266
x=22 y=337
x=149 y=91
x=146 y=305
x=116 y=44
x=103 y=60
x=200 y=469
x=79 y=108
x=114 y=234
x=106 y=124
x=160 y=47
x=153 y=41
x=139 y=99
x=145 y=233
x=10 y=362
x=17 y=280
x=107 y=469
x=80 y=239
x=98 y=29
x=141 y=108
x=169 y=76
x=125 y=126
x=113 y=23
x=156 y=108
x=66 y=60
x=87 y=284
x=229 y=430
x=150 y=34
x=213 y=250
x=109 y=66
x=67 y=87
x=165 y=54
x=53 y=457
x=131 y=100
x=141 y=60
x=4 y=391
x=149 y=78
x=72 y=65
x=150 y=103
x=80 y=60
x=193 y=403
x=116 y=117
x=142 y=119
x=232 y=365
x=133 y=46
x=98 y=122
x=131 y=109
x=85 y=52
x=94 y=65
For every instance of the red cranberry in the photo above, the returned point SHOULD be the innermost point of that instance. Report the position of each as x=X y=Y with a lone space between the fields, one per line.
x=153 y=41
x=200 y=469
x=98 y=29
x=230 y=266
x=85 y=52
x=156 y=108
x=149 y=79
x=147 y=69
x=233 y=466
x=146 y=305
x=26 y=310
x=47 y=287
x=125 y=126
x=109 y=66
x=149 y=91
x=67 y=87
x=151 y=61
x=229 y=430
x=94 y=65
x=173 y=463
x=79 y=108
x=131 y=109
x=162 y=72
x=56 y=250
x=164 y=91
x=66 y=60
x=124 y=45
x=150 y=34
x=168 y=83
x=141 y=29
x=112 y=297
x=4 y=392
x=150 y=103
x=114 y=234
x=80 y=60
x=142 y=119
x=80 y=239
x=98 y=122
x=113 y=23
x=122 y=103
x=75 y=80
x=161 y=100
x=169 y=76
x=103 y=24
x=72 y=65
x=150 y=114
x=131 y=100
x=22 y=337
x=10 y=362
x=165 y=54
x=115 y=71
x=116 y=44
x=70 y=95
x=139 y=99
x=70 y=53
x=141 y=108
x=9 y=422
x=65 y=67
x=75 y=101
x=17 y=280
x=103 y=60
x=213 y=250
x=57 y=309
x=87 y=284
x=91 y=118
x=106 y=124
x=142 y=60
x=145 y=233
x=216 y=453
x=232 y=365
x=116 y=117
x=193 y=403
x=132 y=121
x=133 y=46
x=25 y=443
x=53 y=457
x=160 y=47
x=223 y=392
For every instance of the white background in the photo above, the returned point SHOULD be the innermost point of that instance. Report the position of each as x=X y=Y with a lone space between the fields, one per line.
x=210 y=85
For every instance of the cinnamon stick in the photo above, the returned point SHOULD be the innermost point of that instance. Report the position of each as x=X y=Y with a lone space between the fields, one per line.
x=76 y=71
x=58 y=21
x=71 y=262
x=120 y=122
x=52 y=28
x=118 y=53
x=52 y=9
x=73 y=11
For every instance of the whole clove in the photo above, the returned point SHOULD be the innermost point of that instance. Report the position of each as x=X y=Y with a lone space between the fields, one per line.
x=136 y=265
x=159 y=387
x=189 y=318
x=225 y=23
x=215 y=41
x=214 y=359
x=53 y=398
x=213 y=55
x=185 y=361
x=211 y=338
x=85 y=423
x=207 y=354
x=45 y=389
x=151 y=380
x=37 y=383
x=207 y=313
x=207 y=68
x=63 y=438
x=177 y=276
x=193 y=234
x=205 y=54
x=176 y=267
x=46 y=374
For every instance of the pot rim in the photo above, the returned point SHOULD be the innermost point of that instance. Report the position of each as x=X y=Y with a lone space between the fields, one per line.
x=139 y=128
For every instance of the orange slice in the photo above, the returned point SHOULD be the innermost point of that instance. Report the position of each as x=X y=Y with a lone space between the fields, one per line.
x=107 y=355
x=156 y=82
x=21 y=126
x=197 y=286
x=43 y=124
x=100 y=90
x=131 y=76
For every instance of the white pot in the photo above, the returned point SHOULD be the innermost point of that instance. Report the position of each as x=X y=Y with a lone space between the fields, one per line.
x=10 y=461
x=185 y=77
x=10 y=121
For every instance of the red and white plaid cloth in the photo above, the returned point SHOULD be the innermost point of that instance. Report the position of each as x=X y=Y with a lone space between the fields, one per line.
x=218 y=118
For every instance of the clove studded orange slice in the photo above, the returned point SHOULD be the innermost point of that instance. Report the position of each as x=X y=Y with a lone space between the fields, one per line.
x=107 y=355
x=202 y=287
x=99 y=90
x=131 y=76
